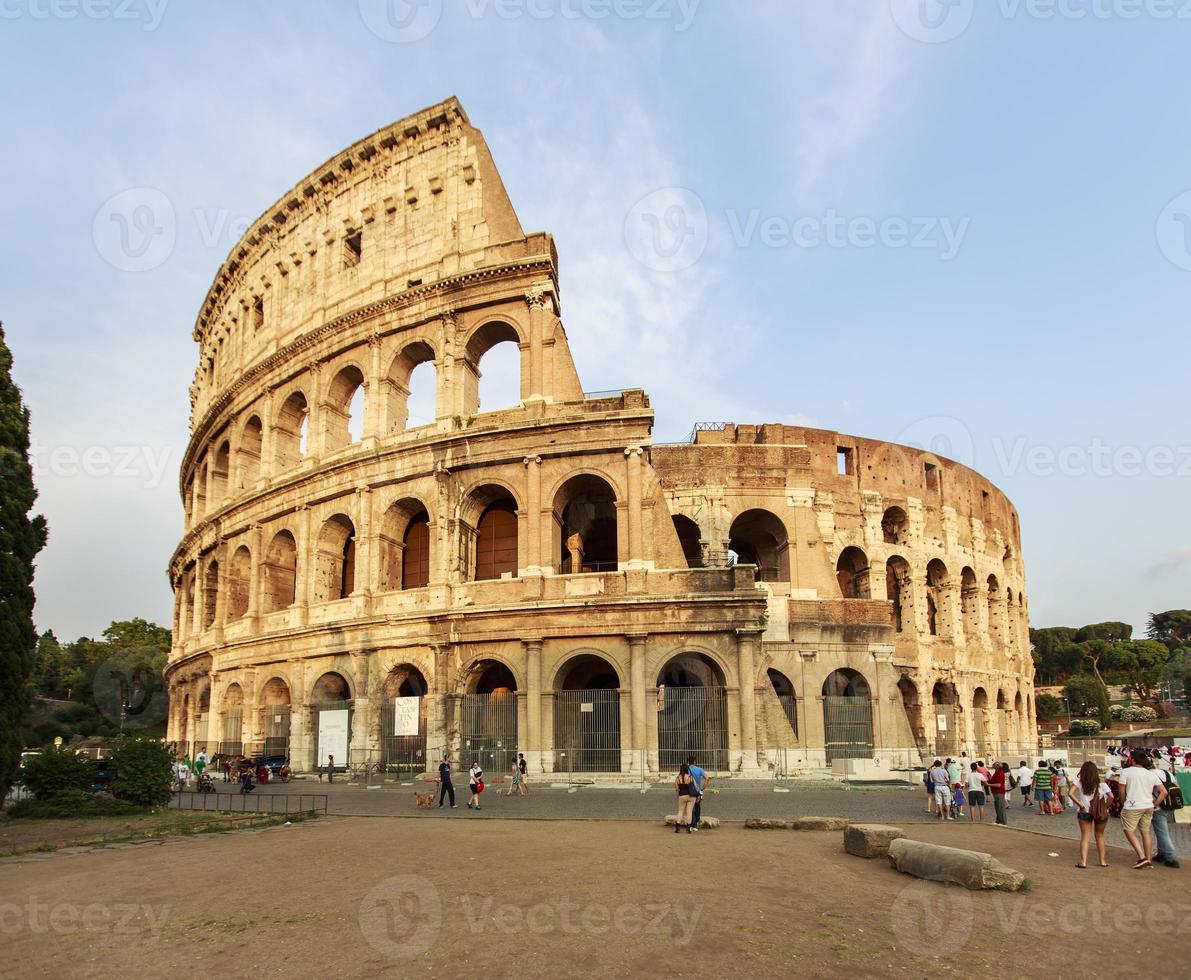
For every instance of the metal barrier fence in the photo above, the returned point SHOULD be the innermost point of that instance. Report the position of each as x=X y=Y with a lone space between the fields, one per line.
x=250 y=802
x=488 y=730
x=587 y=731
x=848 y=728
x=694 y=721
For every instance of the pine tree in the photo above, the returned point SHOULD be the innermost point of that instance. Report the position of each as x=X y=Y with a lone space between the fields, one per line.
x=21 y=538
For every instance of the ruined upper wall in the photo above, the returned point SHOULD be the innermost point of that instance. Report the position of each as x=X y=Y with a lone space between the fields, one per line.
x=416 y=202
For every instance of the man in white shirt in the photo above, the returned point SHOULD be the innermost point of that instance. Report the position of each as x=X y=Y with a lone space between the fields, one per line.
x=1025 y=779
x=1140 y=784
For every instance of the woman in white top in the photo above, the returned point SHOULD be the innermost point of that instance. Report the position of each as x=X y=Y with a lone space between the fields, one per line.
x=1091 y=794
x=977 y=786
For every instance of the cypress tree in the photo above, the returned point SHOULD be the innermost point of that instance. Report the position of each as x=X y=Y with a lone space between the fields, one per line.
x=21 y=538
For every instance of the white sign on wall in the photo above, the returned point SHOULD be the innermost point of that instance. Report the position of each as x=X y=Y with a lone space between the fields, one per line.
x=941 y=721
x=406 y=712
x=332 y=736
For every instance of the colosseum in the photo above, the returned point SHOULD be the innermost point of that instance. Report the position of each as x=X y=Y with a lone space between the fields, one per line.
x=359 y=582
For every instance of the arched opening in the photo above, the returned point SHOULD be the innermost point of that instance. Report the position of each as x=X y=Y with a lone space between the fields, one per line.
x=893 y=526
x=493 y=540
x=936 y=584
x=231 y=721
x=403 y=718
x=784 y=691
x=210 y=594
x=694 y=715
x=239 y=583
x=200 y=499
x=688 y=536
x=411 y=388
x=289 y=435
x=279 y=573
x=847 y=715
x=945 y=701
x=252 y=439
x=219 y=472
x=332 y=706
x=898 y=590
x=189 y=577
x=851 y=571
x=908 y=691
x=585 y=526
x=275 y=717
x=188 y=501
x=343 y=409
x=405 y=546
x=488 y=722
x=587 y=716
x=759 y=538
x=335 y=563
x=494 y=379
x=969 y=598
x=994 y=610
x=979 y=721
x=1002 y=722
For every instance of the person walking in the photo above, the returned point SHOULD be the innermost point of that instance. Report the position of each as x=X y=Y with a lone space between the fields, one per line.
x=1025 y=779
x=941 y=784
x=514 y=779
x=977 y=787
x=701 y=780
x=684 y=789
x=446 y=787
x=1164 y=849
x=1140 y=784
x=1091 y=794
x=330 y=768
x=1062 y=783
x=930 y=790
x=524 y=770
x=475 y=781
x=999 y=786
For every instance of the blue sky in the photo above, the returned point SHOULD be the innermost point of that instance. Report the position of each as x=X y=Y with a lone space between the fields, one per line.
x=974 y=241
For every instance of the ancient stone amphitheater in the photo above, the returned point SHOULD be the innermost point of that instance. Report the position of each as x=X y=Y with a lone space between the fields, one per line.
x=358 y=582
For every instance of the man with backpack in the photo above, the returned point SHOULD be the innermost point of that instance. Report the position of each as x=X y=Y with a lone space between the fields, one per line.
x=1164 y=850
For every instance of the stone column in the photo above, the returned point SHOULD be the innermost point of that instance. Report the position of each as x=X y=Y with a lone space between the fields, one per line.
x=254 y=573
x=373 y=394
x=533 y=703
x=305 y=570
x=628 y=737
x=532 y=561
x=746 y=641
x=536 y=301
x=366 y=580
x=638 y=700
x=267 y=466
x=635 y=518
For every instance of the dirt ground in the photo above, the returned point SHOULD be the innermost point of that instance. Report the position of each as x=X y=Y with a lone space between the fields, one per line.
x=21 y=836
x=470 y=896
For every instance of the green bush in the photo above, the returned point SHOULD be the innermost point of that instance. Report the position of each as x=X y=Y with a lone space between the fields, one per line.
x=1048 y=707
x=53 y=772
x=143 y=770
x=1117 y=710
x=71 y=805
x=1084 y=726
x=1139 y=713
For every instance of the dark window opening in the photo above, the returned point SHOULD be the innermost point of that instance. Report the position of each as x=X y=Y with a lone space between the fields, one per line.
x=353 y=248
x=845 y=461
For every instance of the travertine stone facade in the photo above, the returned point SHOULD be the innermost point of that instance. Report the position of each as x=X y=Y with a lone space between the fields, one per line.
x=542 y=577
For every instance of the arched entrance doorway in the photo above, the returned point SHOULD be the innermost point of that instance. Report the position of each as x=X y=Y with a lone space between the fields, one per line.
x=331 y=700
x=488 y=718
x=694 y=715
x=231 y=725
x=979 y=726
x=585 y=521
x=275 y=717
x=908 y=691
x=402 y=735
x=587 y=716
x=786 y=697
x=945 y=702
x=847 y=716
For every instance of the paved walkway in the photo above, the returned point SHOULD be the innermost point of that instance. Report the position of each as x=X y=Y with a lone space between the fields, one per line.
x=730 y=800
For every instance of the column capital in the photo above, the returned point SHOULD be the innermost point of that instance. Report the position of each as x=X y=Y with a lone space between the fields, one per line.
x=536 y=296
x=634 y=451
x=532 y=461
x=636 y=638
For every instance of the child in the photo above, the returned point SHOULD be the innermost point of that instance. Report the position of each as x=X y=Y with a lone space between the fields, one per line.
x=515 y=783
x=959 y=800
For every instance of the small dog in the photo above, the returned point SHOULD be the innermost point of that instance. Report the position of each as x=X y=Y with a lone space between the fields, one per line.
x=424 y=800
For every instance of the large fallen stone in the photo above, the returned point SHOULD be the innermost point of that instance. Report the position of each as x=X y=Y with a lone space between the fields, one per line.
x=973 y=870
x=798 y=823
x=870 y=840
x=705 y=823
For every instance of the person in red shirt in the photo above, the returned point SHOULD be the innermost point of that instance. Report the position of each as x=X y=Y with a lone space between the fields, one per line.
x=998 y=785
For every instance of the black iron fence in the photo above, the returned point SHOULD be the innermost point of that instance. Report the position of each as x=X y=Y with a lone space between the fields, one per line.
x=256 y=802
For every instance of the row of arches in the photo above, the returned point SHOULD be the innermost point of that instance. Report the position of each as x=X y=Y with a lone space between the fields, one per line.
x=352 y=407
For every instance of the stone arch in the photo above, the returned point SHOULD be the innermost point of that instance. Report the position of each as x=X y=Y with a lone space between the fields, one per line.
x=231 y=720
x=969 y=593
x=273 y=715
x=290 y=431
x=852 y=574
x=416 y=358
x=908 y=692
x=480 y=343
x=279 y=573
x=847 y=715
x=936 y=584
x=489 y=546
x=692 y=668
x=894 y=526
x=405 y=680
x=275 y=691
x=239 y=583
x=343 y=408
x=693 y=719
x=689 y=537
x=899 y=590
x=758 y=537
x=587 y=714
x=405 y=752
x=584 y=528
x=980 y=698
x=331 y=687
x=579 y=667
x=210 y=593
x=405 y=545
x=335 y=560
x=221 y=464
x=787 y=696
x=844 y=682
x=252 y=439
x=489 y=673
x=200 y=497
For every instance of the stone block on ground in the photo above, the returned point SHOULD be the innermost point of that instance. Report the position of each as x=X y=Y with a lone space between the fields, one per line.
x=973 y=870
x=755 y=823
x=705 y=823
x=870 y=840
x=820 y=823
